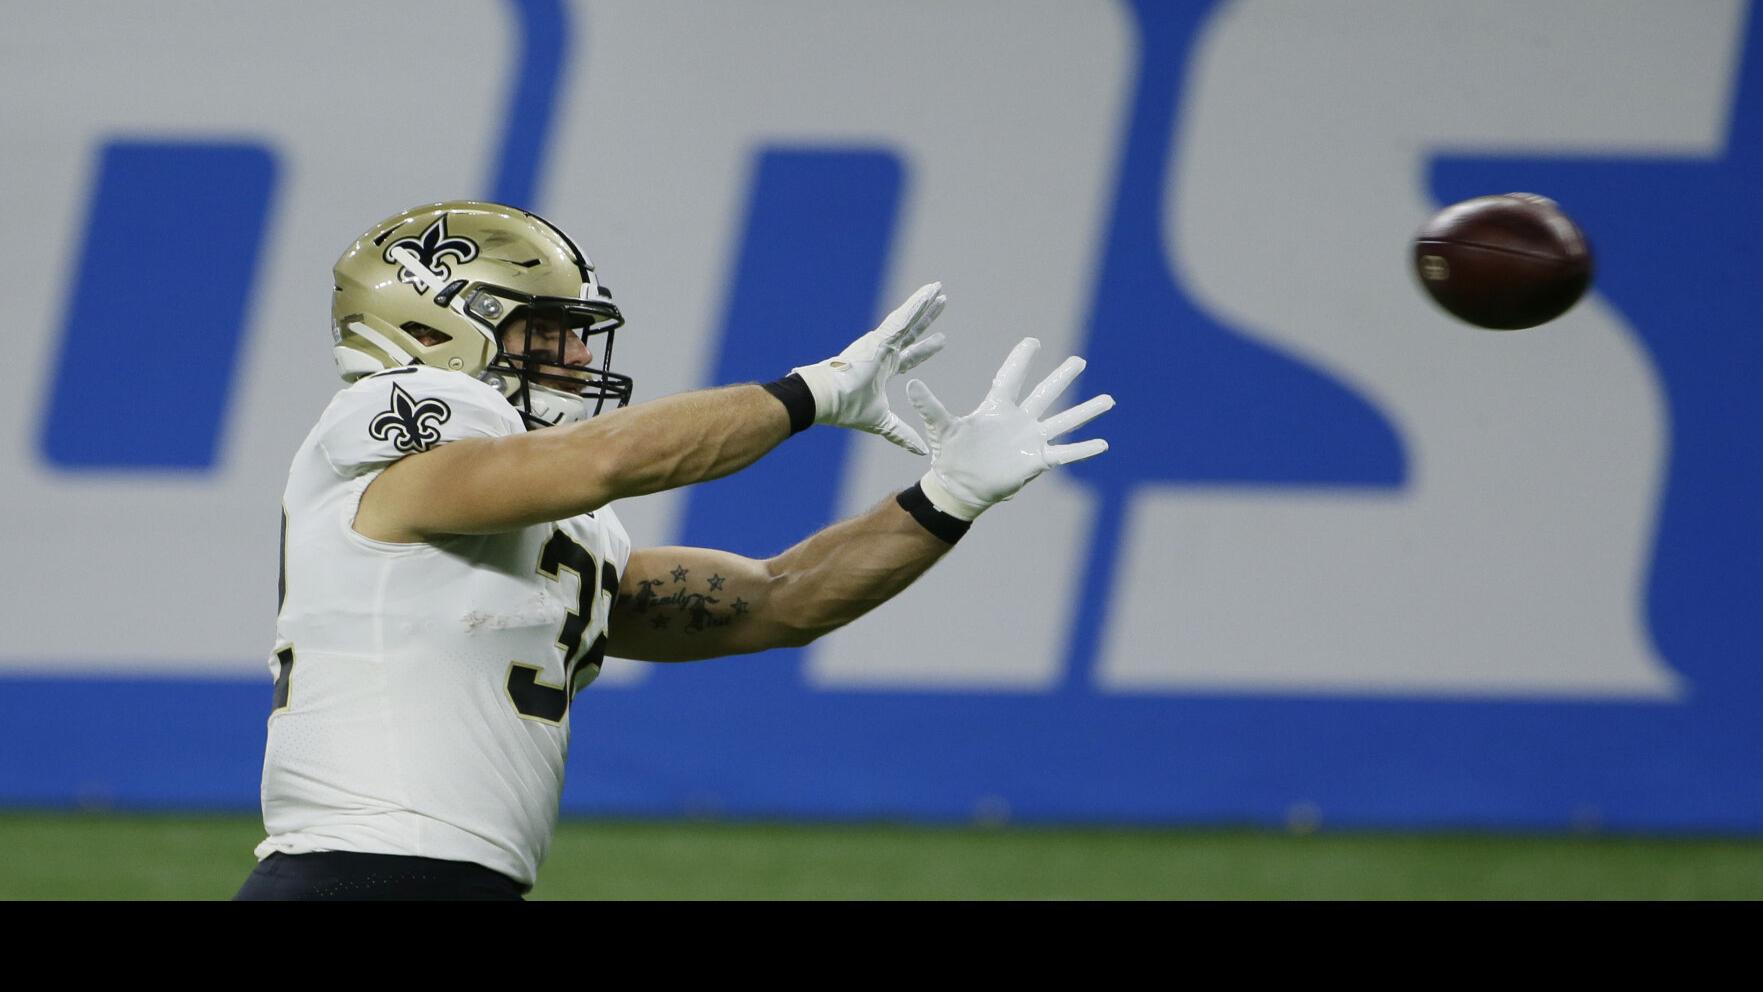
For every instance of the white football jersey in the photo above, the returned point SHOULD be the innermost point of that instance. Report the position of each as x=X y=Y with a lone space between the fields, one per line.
x=422 y=690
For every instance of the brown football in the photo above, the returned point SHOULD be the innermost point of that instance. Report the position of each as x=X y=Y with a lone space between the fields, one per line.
x=1503 y=262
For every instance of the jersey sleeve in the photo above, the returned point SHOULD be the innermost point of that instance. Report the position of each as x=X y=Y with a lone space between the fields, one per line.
x=407 y=411
x=618 y=540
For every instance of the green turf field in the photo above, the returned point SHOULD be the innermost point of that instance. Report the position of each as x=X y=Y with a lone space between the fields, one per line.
x=82 y=856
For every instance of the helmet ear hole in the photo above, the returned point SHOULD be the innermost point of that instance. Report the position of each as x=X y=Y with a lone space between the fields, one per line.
x=428 y=336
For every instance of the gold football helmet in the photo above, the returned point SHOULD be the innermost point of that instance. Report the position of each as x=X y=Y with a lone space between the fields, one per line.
x=438 y=284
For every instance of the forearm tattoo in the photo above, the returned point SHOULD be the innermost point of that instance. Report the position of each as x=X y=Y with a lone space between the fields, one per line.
x=673 y=598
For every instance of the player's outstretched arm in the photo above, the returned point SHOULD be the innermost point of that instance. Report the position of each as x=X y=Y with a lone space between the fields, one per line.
x=686 y=604
x=683 y=604
x=492 y=485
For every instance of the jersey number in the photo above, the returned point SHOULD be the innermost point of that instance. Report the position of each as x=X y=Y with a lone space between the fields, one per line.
x=533 y=699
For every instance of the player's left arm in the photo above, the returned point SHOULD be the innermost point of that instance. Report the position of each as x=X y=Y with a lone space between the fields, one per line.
x=684 y=604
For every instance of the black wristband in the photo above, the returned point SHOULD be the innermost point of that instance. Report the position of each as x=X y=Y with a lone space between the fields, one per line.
x=915 y=502
x=798 y=400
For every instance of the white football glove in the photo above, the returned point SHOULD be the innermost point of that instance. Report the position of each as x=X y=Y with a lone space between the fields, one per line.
x=987 y=456
x=850 y=389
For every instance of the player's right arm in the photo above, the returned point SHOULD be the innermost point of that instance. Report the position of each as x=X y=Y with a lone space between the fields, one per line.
x=489 y=485
x=492 y=485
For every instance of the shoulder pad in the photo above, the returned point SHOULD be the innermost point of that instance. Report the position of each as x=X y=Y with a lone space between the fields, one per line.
x=406 y=411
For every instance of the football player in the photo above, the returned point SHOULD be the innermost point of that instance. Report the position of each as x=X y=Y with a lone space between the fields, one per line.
x=453 y=572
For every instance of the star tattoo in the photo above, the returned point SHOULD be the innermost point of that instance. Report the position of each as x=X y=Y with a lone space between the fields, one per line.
x=739 y=606
x=659 y=622
x=679 y=574
x=716 y=582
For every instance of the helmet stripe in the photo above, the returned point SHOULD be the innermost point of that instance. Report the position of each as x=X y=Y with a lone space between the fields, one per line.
x=398 y=355
x=581 y=260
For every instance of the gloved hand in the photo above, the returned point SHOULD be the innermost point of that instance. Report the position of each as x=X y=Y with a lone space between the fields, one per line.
x=850 y=389
x=987 y=456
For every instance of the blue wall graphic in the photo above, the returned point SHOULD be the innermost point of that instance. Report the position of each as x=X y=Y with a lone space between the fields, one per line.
x=159 y=305
x=818 y=229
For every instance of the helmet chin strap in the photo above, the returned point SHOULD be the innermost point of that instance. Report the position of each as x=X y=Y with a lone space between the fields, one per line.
x=551 y=407
x=539 y=406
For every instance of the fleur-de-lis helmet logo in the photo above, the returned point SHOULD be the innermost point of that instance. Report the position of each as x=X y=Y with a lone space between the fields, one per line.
x=411 y=425
x=434 y=244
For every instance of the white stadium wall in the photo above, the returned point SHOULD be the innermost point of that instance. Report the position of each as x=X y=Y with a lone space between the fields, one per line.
x=1345 y=554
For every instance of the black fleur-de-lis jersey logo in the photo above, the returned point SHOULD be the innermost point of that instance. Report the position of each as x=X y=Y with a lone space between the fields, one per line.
x=429 y=249
x=411 y=425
